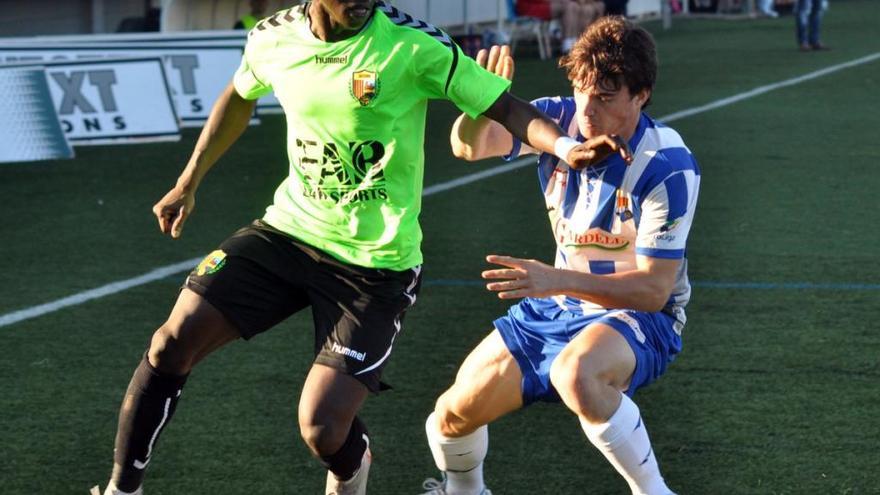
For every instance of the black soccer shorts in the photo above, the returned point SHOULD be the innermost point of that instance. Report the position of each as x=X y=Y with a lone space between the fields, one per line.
x=260 y=276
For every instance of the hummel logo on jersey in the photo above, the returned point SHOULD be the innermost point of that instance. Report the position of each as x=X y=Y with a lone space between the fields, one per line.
x=345 y=351
x=331 y=60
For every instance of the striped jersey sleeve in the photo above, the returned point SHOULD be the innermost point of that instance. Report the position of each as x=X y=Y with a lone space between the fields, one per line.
x=664 y=183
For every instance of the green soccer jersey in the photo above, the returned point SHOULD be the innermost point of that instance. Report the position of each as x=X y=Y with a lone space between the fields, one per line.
x=355 y=127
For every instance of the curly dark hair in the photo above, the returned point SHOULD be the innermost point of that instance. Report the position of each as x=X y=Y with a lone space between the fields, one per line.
x=610 y=53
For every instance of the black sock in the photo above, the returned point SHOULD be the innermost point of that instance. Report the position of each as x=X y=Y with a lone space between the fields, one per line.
x=146 y=409
x=346 y=461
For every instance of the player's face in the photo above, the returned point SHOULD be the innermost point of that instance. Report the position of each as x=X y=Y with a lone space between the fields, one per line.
x=605 y=110
x=349 y=15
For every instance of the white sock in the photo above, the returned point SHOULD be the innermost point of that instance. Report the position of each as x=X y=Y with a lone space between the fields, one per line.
x=623 y=440
x=461 y=459
x=112 y=490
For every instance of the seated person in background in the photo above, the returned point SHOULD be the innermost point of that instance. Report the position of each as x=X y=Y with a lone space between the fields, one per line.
x=766 y=8
x=248 y=21
x=615 y=7
x=575 y=15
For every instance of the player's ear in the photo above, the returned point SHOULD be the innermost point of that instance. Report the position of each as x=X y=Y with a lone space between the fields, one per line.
x=642 y=96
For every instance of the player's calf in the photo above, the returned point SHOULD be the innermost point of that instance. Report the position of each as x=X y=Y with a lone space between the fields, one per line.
x=623 y=440
x=340 y=453
x=459 y=457
x=347 y=465
x=148 y=406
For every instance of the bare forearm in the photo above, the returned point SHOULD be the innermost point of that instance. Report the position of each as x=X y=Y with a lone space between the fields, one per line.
x=629 y=290
x=476 y=139
x=228 y=119
x=525 y=122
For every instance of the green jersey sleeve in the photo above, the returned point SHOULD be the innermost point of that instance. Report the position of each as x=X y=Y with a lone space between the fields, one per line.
x=248 y=84
x=450 y=74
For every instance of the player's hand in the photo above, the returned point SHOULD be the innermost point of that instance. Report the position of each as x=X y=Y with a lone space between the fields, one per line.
x=497 y=60
x=521 y=278
x=597 y=149
x=173 y=210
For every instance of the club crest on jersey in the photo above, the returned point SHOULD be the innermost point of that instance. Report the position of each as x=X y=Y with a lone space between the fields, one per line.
x=365 y=86
x=622 y=208
x=212 y=263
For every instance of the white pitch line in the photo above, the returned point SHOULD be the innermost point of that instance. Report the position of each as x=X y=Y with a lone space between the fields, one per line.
x=104 y=290
x=168 y=270
x=485 y=174
x=766 y=89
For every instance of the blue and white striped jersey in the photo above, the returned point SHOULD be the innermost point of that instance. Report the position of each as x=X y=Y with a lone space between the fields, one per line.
x=603 y=216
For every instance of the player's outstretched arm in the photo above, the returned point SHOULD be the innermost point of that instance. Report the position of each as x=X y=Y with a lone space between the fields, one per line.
x=645 y=289
x=228 y=119
x=475 y=139
x=540 y=132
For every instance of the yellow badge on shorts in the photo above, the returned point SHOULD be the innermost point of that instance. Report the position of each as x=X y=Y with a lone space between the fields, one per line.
x=212 y=263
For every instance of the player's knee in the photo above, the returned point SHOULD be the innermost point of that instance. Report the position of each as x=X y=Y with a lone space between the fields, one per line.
x=322 y=437
x=451 y=417
x=578 y=383
x=168 y=351
x=448 y=423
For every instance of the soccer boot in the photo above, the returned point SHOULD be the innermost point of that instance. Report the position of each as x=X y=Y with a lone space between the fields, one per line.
x=438 y=487
x=357 y=485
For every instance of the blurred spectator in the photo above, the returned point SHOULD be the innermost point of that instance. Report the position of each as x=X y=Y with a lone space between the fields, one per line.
x=575 y=15
x=808 y=18
x=766 y=8
x=150 y=22
x=248 y=21
x=616 y=7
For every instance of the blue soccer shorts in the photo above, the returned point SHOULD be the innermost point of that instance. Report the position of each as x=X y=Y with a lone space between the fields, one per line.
x=536 y=330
